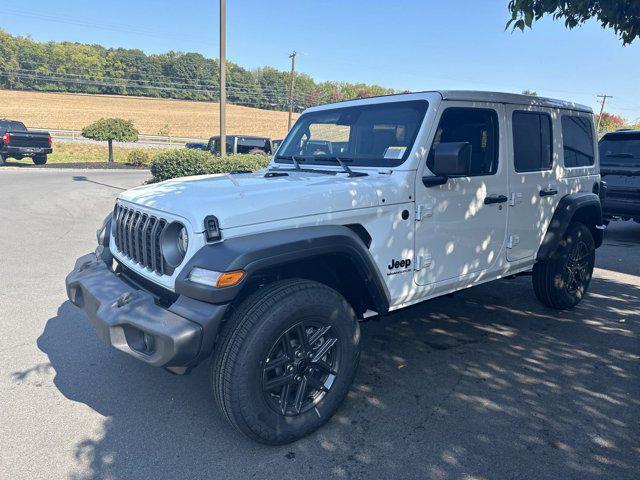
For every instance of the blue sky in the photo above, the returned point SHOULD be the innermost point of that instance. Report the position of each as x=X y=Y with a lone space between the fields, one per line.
x=405 y=44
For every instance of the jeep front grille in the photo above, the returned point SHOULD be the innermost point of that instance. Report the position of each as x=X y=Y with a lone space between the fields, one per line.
x=137 y=237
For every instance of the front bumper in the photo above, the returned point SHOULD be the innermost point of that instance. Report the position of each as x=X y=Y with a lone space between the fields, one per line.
x=621 y=207
x=129 y=319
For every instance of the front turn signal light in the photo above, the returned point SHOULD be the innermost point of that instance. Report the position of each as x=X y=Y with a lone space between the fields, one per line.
x=229 y=279
x=211 y=278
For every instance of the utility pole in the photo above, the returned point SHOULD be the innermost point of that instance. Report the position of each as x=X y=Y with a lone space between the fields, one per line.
x=604 y=100
x=292 y=86
x=223 y=78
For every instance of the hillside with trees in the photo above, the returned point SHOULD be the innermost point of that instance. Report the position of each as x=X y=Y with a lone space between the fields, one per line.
x=80 y=68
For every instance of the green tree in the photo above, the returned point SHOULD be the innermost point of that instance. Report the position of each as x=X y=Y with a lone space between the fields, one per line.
x=74 y=67
x=111 y=130
x=623 y=16
x=532 y=93
x=609 y=122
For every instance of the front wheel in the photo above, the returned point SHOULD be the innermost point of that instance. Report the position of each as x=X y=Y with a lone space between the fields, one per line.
x=286 y=360
x=40 y=159
x=562 y=281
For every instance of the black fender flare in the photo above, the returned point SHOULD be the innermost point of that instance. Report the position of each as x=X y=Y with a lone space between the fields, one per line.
x=584 y=206
x=260 y=251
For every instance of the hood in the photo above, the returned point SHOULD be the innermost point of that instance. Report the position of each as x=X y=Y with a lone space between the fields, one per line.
x=245 y=199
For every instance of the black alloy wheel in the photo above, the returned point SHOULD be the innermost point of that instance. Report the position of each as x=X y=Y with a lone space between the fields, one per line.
x=300 y=368
x=562 y=280
x=577 y=267
x=285 y=360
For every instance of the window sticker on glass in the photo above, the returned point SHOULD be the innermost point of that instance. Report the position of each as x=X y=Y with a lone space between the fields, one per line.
x=394 y=153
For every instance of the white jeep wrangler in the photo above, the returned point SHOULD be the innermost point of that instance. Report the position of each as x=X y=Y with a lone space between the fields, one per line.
x=367 y=207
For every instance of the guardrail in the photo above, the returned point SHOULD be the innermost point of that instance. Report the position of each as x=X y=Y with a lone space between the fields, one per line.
x=142 y=138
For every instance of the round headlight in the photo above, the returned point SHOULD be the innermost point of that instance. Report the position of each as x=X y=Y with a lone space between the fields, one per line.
x=174 y=242
x=183 y=240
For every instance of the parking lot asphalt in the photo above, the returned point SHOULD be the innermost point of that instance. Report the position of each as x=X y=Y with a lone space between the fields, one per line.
x=486 y=384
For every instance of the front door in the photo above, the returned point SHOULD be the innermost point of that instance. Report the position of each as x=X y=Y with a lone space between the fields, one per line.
x=461 y=225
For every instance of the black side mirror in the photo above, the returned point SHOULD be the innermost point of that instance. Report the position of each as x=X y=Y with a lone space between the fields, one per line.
x=451 y=159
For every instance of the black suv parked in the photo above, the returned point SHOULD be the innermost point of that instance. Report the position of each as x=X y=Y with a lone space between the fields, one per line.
x=620 y=169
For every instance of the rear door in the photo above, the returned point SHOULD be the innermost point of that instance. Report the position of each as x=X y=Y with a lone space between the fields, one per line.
x=533 y=187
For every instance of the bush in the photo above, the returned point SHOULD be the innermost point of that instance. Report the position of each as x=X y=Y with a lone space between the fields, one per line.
x=138 y=158
x=187 y=162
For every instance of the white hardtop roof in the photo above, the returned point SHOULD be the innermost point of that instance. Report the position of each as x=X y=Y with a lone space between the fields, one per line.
x=464 y=95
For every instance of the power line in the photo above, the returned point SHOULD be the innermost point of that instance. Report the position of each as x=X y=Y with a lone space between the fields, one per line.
x=254 y=91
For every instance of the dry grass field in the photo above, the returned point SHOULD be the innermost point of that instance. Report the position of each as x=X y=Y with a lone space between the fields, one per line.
x=66 y=111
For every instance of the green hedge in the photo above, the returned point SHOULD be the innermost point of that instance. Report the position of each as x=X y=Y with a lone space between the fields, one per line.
x=186 y=162
x=138 y=157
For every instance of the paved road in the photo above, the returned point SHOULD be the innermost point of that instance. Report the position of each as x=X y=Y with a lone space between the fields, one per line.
x=484 y=385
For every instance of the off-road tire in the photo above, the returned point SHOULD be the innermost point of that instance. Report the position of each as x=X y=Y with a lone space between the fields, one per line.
x=40 y=160
x=553 y=282
x=237 y=367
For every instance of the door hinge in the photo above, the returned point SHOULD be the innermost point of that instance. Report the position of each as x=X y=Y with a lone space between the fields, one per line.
x=423 y=261
x=513 y=241
x=515 y=199
x=423 y=211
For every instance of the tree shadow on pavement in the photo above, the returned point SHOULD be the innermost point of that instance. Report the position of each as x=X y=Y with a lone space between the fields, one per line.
x=487 y=384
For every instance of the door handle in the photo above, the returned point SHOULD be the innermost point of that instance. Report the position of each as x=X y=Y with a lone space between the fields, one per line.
x=495 y=199
x=548 y=192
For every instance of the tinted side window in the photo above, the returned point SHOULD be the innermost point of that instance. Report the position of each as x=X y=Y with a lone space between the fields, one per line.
x=577 y=137
x=532 y=150
x=477 y=126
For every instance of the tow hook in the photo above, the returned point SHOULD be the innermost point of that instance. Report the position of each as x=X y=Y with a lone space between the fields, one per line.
x=124 y=299
x=85 y=265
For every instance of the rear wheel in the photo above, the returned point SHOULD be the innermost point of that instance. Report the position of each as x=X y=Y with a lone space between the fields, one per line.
x=286 y=360
x=562 y=281
x=40 y=159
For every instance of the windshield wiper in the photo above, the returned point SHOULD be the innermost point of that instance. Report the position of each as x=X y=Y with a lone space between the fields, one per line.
x=296 y=164
x=343 y=165
x=620 y=155
x=296 y=161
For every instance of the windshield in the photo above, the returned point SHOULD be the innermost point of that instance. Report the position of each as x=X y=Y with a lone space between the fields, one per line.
x=620 y=149
x=368 y=135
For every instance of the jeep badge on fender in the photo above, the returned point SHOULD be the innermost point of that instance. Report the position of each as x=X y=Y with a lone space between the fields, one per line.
x=395 y=264
x=265 y=275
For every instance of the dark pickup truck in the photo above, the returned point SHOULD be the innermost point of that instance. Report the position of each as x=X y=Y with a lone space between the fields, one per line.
x=620 y=169
x=16 y=141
